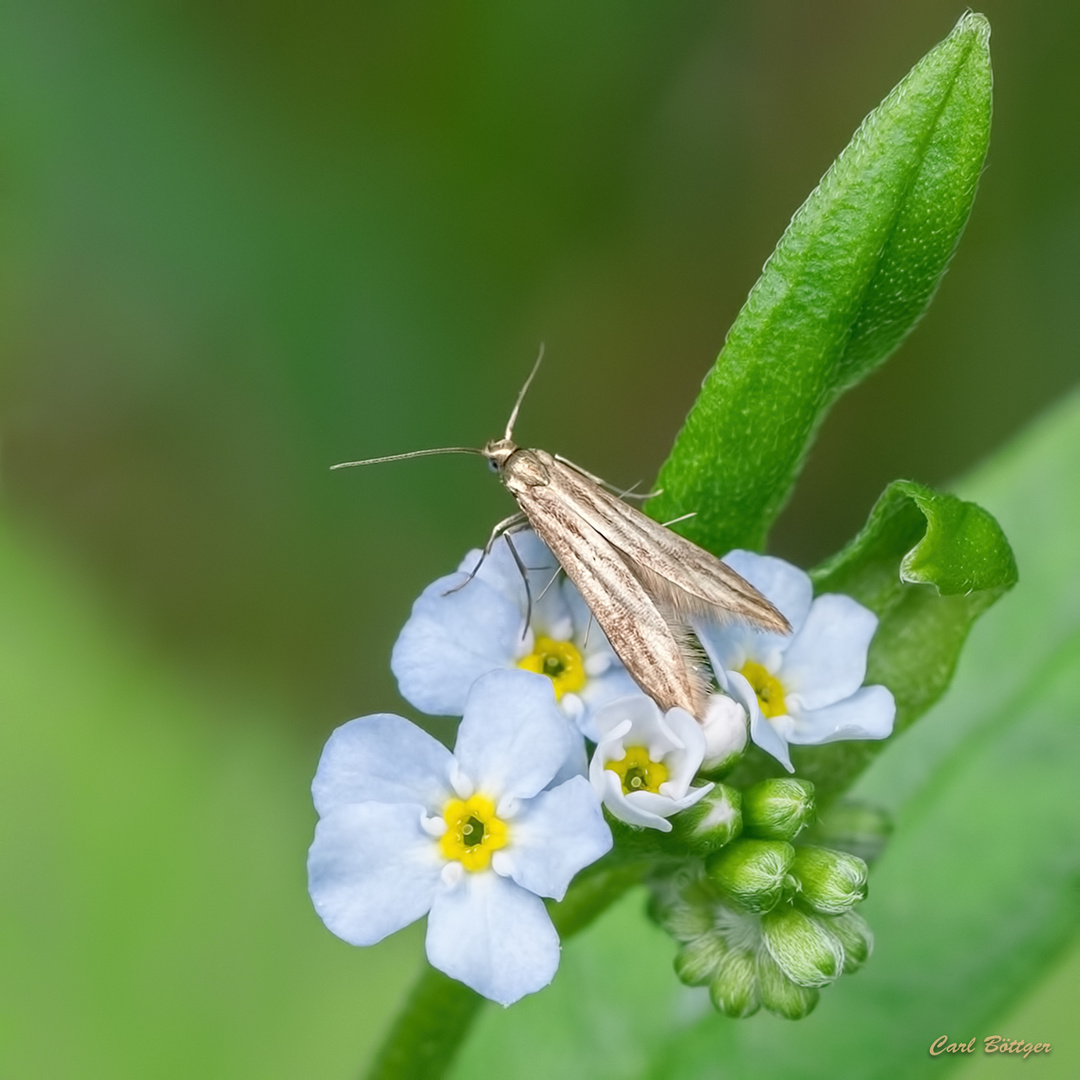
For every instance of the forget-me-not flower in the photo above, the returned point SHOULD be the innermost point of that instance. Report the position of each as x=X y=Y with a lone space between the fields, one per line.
x=458 y=632
x=645 y=760
x=473 y=839
x=803 y=688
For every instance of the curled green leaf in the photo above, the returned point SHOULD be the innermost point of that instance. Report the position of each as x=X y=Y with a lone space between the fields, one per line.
x=927 y=564
x=848 y=280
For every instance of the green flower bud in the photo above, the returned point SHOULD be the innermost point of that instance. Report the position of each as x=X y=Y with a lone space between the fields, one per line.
x=711 y=823
x=807 y=951
x=734 y=987
x=856 y=936
x=754 y=873
x=855 y=827
x=830 y=881
x=779 y=994
x=778 y=809
x=696 y=962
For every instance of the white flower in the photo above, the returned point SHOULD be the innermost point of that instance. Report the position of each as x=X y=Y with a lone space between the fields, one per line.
x=454 y=637
x=645 y=760
x=805 y=688
x=473 y=839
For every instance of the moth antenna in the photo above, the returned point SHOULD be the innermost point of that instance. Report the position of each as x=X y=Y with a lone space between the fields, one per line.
x=521 y=396
x=410 y=454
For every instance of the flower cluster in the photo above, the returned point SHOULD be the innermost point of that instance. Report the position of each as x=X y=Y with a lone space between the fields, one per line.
x=556 y=741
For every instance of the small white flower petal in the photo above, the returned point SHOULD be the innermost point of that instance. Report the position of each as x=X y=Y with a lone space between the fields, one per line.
x=647 y=726
x=609 y=787
x=372 y=869
x=493 y=936
x=450 y=640
x=868 y=714
x=826 y=661
x=555 y=835
x=612 y=685
x=765 y=735
x=381 y=758
x=682 y=764
x=513 y=739
x=724 y=728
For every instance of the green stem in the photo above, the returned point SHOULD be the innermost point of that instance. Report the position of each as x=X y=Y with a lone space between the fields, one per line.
x=438 y=1013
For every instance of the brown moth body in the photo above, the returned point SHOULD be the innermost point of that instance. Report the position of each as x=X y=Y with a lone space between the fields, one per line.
x=641 y=581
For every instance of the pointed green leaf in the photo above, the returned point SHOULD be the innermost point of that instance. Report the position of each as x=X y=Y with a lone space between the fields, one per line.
x=850 y=277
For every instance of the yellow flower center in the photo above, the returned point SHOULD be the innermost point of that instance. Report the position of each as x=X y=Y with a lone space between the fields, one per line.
x=638 y=771
x=769 y=689
x=560 y=661
x=473 y=832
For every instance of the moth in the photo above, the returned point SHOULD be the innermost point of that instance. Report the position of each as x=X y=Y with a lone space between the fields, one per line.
x=642 y=582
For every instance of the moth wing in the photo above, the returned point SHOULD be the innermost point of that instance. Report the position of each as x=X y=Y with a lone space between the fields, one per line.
x=685 y=577
x=655 y=653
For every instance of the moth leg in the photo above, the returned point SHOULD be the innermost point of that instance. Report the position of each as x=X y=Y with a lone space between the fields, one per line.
x=622 y=493
x=681 y=517
x=525 y=578
x=554 y=578
x=630 y=493
x=504 y=526
x=585 y=642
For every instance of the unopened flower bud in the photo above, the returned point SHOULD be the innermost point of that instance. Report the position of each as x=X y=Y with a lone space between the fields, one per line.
x=711 y=823
x=856 y=936
x=696 y=962
x=724 y=727
x=806 y=950
x=778 y=809
x=754 y=873
x=734 y=986
x=779 y=994
x=830 y=881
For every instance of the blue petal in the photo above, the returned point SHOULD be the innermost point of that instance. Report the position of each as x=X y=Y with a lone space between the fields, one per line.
x=513 y=739
x=556 y=835
x=451 y=639
x=785 y=586
x=493 y=936
x=868 y=714
x=381 y=758
x=826 y=661
x=372 y=870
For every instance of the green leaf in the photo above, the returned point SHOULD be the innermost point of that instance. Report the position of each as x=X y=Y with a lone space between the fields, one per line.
x=973 y=899
x=928 y=565
x=848 y=280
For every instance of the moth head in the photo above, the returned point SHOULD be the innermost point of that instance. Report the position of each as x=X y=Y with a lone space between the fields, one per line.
x=498 y=452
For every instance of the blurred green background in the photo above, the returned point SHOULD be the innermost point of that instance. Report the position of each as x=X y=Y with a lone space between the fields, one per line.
x=239 y=242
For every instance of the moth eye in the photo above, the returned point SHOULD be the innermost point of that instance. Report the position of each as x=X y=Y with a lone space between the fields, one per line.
x=493 y=465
